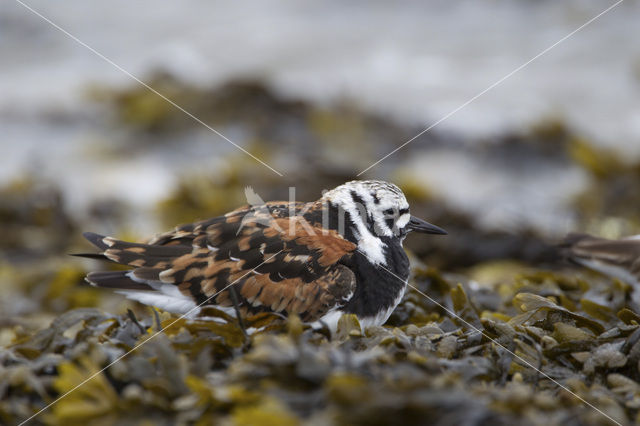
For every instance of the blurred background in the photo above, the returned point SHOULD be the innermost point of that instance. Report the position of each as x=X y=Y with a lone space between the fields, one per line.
x=318 y=91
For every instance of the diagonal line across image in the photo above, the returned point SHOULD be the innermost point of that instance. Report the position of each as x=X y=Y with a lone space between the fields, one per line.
x=106 y=59
x=121 y=357
x=151 y=89
x=527 y=363
x=498 y=82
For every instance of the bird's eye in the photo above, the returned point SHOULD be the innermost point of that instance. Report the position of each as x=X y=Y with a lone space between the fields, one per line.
x=388 y=212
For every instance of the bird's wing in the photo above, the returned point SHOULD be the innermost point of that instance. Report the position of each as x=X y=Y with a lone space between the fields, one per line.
x=227 y=226
x=284 y=265
x=620 y=258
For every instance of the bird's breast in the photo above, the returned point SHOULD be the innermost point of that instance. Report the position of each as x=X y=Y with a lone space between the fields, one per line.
x=379 y=287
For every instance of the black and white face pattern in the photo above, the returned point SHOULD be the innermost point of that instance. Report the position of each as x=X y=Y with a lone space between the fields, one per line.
x=376 y=209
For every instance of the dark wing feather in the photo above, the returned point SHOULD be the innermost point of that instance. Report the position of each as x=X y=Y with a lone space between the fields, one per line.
x=276 y=264
x=224 y=228
x=116 y=280
x=623 y=253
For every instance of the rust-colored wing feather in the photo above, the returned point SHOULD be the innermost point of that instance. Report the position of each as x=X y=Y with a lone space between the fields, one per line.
x=277 y=263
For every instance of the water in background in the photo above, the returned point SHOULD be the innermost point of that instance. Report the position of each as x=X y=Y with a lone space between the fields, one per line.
x=414 y=63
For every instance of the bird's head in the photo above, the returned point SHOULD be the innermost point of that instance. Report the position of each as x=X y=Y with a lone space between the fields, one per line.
x=379 y=209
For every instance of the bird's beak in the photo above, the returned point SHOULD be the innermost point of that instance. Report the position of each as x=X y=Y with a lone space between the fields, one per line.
x=419 y=225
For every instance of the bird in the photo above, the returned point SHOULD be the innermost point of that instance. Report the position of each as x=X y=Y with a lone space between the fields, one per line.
x=341 y=254
x=615 y=258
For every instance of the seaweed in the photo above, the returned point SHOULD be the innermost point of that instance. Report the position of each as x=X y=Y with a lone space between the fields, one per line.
x=472 y=368
x=496 y=330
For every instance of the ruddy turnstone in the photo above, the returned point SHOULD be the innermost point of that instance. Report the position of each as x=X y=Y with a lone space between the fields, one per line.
x=340 y=254
x=616 y=258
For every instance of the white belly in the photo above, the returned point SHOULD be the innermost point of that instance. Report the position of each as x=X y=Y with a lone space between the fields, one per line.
x=331 y=318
